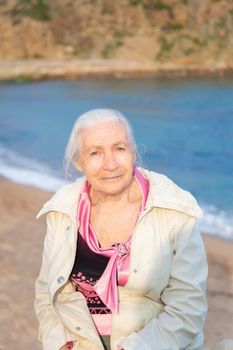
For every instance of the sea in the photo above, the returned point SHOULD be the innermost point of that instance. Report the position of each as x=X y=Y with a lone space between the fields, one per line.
x=183 y=128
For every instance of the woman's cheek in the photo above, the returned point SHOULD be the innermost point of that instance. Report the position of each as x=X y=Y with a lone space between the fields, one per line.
x=95 y=164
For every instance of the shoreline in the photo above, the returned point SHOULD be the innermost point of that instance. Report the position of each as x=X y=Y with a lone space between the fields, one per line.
x=22 y=239
x=36 y=69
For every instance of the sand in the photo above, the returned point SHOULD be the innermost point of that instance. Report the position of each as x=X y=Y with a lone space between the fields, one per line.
x=21 y=243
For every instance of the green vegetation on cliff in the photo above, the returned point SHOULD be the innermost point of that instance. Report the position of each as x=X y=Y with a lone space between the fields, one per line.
x=177 y=31
x=37 y=10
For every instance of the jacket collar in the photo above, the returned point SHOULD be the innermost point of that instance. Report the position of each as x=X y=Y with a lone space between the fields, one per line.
x=65 y=200
x=163 y=193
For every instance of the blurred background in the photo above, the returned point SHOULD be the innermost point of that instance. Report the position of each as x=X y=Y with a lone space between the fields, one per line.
x=176 y=31
x=169 y=70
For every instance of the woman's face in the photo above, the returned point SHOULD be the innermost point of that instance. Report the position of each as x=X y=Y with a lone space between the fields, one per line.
x=106 y=157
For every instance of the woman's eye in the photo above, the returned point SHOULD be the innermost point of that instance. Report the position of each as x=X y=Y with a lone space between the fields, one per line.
x=92 y=154
x=120 y=149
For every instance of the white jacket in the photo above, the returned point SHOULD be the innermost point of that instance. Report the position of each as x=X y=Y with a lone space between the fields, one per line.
x=162 y=306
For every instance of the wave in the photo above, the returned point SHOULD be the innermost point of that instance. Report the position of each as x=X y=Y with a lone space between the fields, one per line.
x=28 y=171
x=32 y=172
x=217 y=222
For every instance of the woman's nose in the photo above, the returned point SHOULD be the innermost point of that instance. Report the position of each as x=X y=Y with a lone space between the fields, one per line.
x=110 y=162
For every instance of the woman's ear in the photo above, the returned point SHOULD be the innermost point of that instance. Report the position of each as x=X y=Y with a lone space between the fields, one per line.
x=134 y=157
x=78 y=165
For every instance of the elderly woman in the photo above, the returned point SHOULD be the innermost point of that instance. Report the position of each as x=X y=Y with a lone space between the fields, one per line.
x=124 y=265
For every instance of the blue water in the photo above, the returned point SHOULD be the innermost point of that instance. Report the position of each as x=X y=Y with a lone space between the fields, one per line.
x=183 y=128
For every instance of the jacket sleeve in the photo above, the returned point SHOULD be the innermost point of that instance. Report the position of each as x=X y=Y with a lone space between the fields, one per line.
x=182 y=319
x=52 y=332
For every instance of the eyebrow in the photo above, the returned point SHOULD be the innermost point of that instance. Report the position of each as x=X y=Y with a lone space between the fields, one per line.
x=120 y=143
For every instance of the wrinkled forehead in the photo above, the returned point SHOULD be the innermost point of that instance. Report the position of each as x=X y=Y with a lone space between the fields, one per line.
x=103 y=133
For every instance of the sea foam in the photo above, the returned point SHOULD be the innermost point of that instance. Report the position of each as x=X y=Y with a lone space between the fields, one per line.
x=28 y=171
x=217 y=222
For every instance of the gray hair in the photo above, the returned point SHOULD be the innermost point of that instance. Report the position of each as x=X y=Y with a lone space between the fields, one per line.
x=86 y=120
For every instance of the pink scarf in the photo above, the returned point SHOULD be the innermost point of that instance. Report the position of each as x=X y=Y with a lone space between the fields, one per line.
x=117 y=269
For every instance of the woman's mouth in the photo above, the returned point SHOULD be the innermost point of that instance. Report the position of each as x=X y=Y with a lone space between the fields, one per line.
x=111 y=178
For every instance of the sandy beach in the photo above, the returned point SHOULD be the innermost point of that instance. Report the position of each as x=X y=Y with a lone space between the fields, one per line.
x=21 y=239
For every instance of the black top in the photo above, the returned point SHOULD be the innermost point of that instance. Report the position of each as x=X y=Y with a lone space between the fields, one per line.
x=88 y=268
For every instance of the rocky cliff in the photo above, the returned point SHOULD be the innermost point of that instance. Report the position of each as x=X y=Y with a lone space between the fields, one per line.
x=182 y=32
